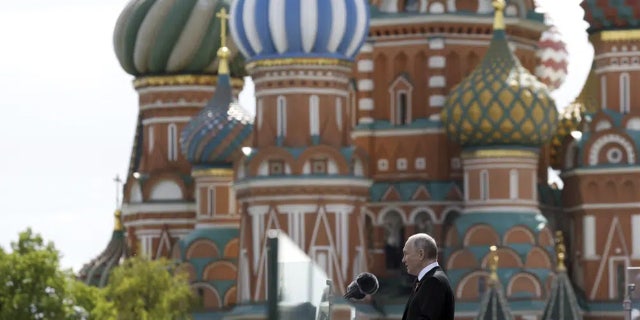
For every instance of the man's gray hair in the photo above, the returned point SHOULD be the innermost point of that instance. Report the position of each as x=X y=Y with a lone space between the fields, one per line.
x=423 y=241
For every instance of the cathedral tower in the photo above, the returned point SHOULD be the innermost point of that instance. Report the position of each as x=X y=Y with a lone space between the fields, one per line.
x=169 y=47
x=500 y=115
x=302 y=175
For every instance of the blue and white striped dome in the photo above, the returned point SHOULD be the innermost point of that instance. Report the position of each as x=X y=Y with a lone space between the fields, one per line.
x=272 y=29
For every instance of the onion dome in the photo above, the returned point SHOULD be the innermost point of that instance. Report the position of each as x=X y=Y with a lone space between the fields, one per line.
x=217 y=134
x=275 y=29
x=611 y=15
x=157 y=37
x=96 y=272
x=494 y=305
x=500 y=102
x=562 y=303
x=569 y=121
x=553 y=59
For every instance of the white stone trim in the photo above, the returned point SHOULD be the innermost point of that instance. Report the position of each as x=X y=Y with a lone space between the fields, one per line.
x=597 y=146
x=165 y=120
x=365 y=65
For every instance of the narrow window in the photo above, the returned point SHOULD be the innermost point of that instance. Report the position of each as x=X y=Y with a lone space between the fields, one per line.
x=513 y=184
x=211 y=200
x=150 y=132
x=625 y=94
x=282 y=116
x=603 y=92
x=484 y=185
x=314 y=116
x=402 y=108
x=172 y=142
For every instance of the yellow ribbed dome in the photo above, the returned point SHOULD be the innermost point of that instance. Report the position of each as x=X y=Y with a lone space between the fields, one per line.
x=500 y=102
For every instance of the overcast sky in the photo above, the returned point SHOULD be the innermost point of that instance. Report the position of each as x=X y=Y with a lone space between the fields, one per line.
x=70 y=114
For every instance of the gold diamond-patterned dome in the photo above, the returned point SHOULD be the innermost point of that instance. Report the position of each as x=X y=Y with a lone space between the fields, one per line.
x=568 y=122
x=500 y=102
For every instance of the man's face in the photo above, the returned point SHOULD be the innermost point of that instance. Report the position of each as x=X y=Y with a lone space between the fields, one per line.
x=412 y=258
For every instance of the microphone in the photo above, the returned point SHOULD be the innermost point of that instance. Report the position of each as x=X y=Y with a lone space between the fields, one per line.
x=364 y=284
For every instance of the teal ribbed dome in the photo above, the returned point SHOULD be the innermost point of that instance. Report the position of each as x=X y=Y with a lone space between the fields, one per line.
x=160 y=37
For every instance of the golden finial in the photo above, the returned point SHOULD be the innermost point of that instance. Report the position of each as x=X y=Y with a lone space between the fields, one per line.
x=493 y=265
x=223 y=53
x=560 y=251
x=118 y=221
x=498 y=19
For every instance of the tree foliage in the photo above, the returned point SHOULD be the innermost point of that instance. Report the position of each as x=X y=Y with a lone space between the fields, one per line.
x=32 y=284
x=149 y=289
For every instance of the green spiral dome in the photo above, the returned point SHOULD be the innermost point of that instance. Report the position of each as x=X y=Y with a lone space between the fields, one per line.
x=163 y=37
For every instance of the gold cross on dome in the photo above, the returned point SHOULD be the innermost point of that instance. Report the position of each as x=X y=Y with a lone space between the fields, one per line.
x=223 y=16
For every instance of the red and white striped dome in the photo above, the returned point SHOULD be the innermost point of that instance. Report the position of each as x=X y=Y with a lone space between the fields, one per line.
x=553 y=59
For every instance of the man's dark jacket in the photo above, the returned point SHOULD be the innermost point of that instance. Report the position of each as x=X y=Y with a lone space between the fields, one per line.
x=431 y=299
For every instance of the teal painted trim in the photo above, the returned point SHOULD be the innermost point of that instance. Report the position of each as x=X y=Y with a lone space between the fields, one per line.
x=131 y=35
x=210 y=43
x=168 y=34
x=419 y=123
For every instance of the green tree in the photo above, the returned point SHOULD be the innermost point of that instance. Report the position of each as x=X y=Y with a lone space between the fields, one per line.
x=32 y=284
x=147 y=289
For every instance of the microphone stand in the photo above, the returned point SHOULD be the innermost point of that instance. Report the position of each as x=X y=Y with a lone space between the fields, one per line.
x=329 y=298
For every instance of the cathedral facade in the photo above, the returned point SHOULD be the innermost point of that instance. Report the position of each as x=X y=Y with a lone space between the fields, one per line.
x=375 y=120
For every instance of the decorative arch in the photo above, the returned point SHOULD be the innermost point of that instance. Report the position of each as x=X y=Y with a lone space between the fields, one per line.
x=400 y=93
x=519 y=234
x=220 y=270
x=393 y=223
x=462 y=259
x=382 y=213
x=481 y=234
x=508 y=258
x=202 y=248
x=538 y=258
x=472 y=286
x=629 y=191
x=545 y=237
x=232 y=249
x=598 y=145
x=436 y=7
x=340 y=165
x=261 y=159
x=135 y=193
x=230 y=298
x=426 y=210
x=166 y=189
x=449 y=232
x=524 y=282
x=208 y=295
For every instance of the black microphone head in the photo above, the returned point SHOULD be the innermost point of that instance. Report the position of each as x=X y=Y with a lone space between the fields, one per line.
x=367 y=283
x=353 y=291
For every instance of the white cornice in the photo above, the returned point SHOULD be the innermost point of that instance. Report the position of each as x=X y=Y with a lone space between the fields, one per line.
x=395 y=132
x=135 y=208
x=592 y=171
x=288 y=182
x=603 y=206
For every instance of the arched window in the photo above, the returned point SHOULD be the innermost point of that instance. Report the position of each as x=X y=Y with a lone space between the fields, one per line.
x=259 y=113
x=393 y=239
x=172 y=140
x=423 y=223
x=625 y=94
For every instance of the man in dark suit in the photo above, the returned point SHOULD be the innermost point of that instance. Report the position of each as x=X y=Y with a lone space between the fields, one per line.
x=432 y=297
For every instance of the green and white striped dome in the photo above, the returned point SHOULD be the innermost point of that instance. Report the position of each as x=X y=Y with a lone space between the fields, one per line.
x=160 y=37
